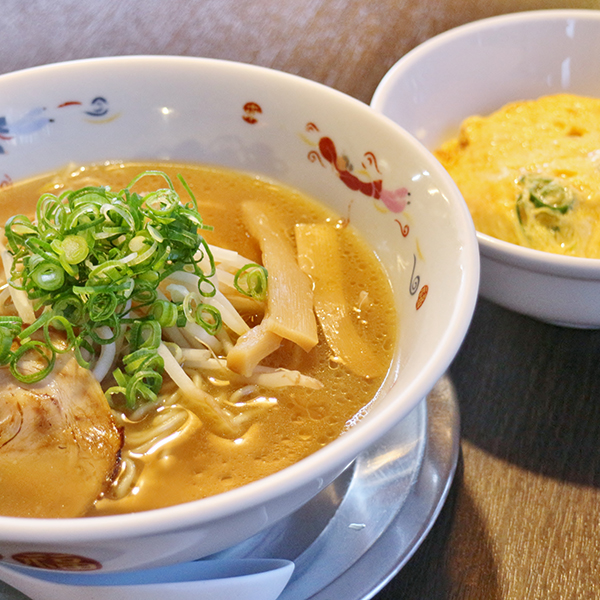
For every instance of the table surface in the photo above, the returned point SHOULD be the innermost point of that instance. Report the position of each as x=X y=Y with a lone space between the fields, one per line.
x=522 y=519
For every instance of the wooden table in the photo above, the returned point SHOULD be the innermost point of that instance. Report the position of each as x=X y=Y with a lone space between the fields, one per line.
x=523 y=517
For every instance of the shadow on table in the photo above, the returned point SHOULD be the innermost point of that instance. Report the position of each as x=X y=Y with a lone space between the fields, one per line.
x=454 y=560
x=529 y=393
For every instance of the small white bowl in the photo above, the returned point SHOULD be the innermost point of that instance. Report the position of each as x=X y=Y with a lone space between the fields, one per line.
x=260 y=120
x=476 y=69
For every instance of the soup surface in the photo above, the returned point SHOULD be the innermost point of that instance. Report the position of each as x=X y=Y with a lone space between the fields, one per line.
x=170 y=455
x=530 y=173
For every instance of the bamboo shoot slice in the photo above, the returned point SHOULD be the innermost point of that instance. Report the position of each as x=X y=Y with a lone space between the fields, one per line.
x=251 y=348
x=319 y=257
x=290 y=311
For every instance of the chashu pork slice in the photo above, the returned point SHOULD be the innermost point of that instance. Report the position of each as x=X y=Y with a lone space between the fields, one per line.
x=59 y=444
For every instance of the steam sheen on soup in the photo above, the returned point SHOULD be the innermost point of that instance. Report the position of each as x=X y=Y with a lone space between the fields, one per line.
x=294 y=395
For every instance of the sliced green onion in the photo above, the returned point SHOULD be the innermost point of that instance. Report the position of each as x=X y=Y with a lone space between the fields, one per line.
x=10 y=327
x=11 y=324
x=82 y=344
x=94 y=258
x=144 y=255
x=115 y=327
x=42 y=351
x=71 y=308
x=6 y=341
x=108 y=271
x=75 y=248
x=145 y=334
x=189 y=191
x=251 y=280
x=37 y=324
x=144 y=292
x=543 y=194
x=209 y=318
x=143 y=359
x=165 y=312
x=144 y=384
x=190 y=303
x=17 y=229
x=207 y=287
x=101 y=306
x=59 y=322
x=48 y=276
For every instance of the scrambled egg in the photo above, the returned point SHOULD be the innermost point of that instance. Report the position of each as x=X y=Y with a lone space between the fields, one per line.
x=530 y=173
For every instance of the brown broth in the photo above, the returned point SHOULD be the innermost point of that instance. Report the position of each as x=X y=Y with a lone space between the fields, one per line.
x=200 y=464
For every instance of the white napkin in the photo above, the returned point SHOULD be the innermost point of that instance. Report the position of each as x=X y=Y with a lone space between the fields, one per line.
x=245 y=579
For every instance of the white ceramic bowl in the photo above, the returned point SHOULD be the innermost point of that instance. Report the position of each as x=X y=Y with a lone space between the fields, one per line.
x=475 y=69
x=255 y=119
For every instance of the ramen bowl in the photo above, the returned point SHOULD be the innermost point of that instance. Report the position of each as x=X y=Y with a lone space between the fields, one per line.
x=270 y=123
x=475 y=69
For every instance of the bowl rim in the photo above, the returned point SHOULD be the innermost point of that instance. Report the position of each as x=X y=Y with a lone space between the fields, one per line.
x=538 y=261
x=251 y=496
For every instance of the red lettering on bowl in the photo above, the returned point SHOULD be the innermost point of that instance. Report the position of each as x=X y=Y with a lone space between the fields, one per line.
x=57 y=561
x=422 y=296
x=251 y=109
